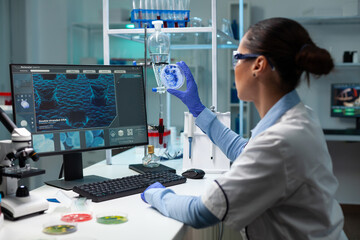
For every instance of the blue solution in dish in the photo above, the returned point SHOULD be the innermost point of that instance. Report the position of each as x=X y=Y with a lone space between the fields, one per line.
x=172 y=76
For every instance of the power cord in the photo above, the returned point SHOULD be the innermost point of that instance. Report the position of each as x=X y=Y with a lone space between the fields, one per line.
x=221 y=230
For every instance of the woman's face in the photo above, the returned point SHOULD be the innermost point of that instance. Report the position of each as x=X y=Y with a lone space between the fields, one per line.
x=244 y=79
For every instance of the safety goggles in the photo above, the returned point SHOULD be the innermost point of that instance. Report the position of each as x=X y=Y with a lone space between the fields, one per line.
x=238 y=56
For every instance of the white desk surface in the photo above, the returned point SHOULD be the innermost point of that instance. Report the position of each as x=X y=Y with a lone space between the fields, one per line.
x=144 y=222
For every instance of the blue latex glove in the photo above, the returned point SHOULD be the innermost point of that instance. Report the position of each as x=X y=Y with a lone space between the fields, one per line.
x=154 y=185
x=190 y=97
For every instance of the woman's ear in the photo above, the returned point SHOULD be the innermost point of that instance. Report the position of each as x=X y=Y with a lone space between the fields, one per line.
x=259 y=65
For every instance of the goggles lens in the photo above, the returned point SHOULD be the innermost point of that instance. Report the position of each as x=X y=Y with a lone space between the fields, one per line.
x=237 y=56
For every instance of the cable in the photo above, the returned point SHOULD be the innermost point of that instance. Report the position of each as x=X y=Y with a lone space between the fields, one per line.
x=61 y=170
x=221 y=230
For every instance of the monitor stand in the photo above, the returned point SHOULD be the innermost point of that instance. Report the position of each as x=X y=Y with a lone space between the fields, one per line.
x=73 y=173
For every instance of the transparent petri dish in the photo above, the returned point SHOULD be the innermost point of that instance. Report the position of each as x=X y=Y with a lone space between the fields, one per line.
x=172 y=76
x=111 y=218
x=59 y=228
x=76 y=217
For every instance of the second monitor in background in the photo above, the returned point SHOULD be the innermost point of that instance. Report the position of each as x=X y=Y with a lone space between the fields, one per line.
x=345 y=103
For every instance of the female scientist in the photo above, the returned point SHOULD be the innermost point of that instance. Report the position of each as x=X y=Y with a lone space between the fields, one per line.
x=281 y=184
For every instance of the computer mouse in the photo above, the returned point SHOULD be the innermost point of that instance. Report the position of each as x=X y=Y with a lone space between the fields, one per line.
x=193 y=173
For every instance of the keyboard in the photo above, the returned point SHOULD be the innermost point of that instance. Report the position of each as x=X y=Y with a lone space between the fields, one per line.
x=121 y=187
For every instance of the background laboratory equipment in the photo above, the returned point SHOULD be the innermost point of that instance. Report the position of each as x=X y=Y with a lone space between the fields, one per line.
x=174 y=13
x=17 y=201
x=159 y=47
x=199 y=151
x=345 y=103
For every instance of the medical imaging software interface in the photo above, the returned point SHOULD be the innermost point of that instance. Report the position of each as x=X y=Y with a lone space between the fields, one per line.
x=77 y=108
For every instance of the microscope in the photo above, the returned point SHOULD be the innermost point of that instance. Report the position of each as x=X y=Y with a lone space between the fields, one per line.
x=16 y=200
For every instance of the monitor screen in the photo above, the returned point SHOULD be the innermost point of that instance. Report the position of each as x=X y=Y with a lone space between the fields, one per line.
x=74 y=108
x=345 y=100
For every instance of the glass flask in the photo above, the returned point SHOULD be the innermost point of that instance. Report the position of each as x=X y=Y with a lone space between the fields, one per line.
x=159 y=47
x=151 y=160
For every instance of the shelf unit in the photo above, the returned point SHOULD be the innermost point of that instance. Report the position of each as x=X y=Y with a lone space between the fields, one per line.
x=107 y=32
x=91 y=32
x=213 y=44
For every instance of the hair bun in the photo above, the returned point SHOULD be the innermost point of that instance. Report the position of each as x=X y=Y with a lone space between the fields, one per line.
x=315 y=60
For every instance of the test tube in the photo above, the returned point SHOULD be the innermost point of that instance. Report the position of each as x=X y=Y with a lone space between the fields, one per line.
x=147 y=7
x=157 y=9
x=181 y=13
x=164 y=12
x=171 y=15
x=141 y=12
x=152 y=9
x=186 y=12
x=135 y=4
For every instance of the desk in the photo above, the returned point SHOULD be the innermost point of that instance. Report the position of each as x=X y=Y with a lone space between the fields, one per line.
x=144 y=221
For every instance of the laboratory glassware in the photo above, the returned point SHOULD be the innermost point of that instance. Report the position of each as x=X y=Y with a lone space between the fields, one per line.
x=151 y=160
x=159 y=47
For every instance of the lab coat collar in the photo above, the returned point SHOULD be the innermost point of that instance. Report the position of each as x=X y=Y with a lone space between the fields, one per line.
x=272 y=116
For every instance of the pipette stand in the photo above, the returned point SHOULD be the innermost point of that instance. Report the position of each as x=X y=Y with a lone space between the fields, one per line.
x=205 y=154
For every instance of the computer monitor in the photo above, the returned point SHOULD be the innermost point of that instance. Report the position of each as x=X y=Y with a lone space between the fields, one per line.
x=345 y=101
x=70 y=109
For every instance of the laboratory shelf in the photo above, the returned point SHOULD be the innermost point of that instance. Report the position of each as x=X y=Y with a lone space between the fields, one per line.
x=186 y=41
x=328 y=20
x=165 y=30
x=347 y=138
x=190 y=38
x=347 y=65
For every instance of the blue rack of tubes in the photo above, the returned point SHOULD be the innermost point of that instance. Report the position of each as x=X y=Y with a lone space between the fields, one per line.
x=171 y=18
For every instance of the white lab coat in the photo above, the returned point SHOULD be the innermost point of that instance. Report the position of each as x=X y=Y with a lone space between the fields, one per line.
x=282 y=185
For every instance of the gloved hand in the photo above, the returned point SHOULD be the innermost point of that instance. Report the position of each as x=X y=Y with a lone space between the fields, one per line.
x=190 y=97
x=154 y=185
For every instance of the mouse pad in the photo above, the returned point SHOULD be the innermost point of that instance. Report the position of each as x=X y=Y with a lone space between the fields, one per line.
x=141 y=169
